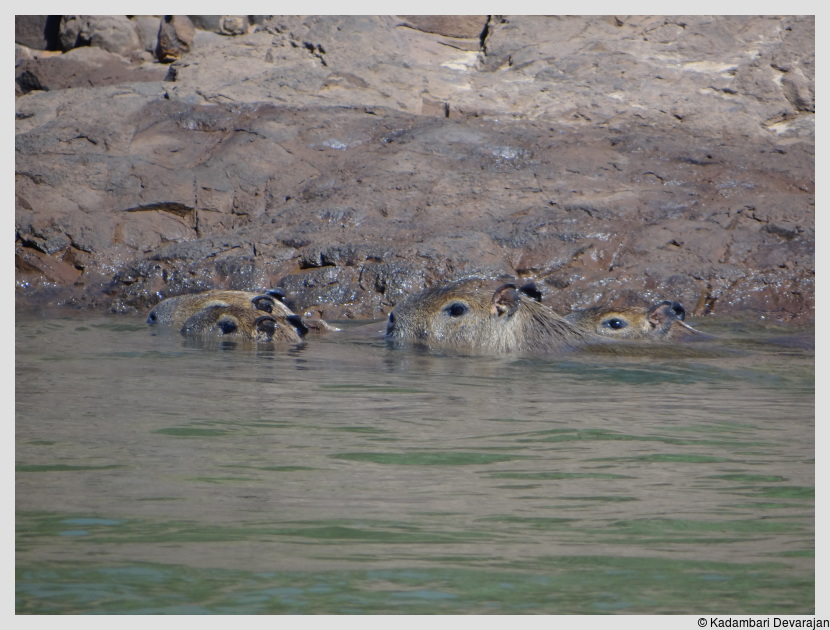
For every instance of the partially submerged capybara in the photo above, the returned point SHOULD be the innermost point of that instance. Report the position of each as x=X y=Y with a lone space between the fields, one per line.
x=243 y=322
x=663 y=321
x=174 y=311
x=472 y=316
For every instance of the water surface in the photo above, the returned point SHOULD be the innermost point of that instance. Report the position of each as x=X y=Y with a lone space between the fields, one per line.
x=155 y=474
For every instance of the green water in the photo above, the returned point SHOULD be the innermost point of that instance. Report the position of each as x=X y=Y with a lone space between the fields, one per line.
x=159 y=475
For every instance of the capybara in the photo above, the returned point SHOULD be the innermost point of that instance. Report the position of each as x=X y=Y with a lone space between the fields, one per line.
x=470 y=315
x=243 y=322
x=174 y=311
x=663 y=321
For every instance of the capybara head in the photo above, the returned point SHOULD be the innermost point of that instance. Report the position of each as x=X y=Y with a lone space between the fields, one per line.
x=242 y=322
x=663 y=321
x=471 y=315
x=176 y=310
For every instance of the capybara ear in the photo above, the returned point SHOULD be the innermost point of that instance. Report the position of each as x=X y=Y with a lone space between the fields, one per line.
x=263 y=303
x=531 y=290
x=277 y=293
x=297 y=322
x=506 y=300
x=662 y=314
x=266 y=325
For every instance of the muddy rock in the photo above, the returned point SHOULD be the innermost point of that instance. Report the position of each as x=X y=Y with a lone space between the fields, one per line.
x=82 y=67
x=224 y=24
x=176 y=34
x=457 y=26
x=353 y=161
x=114 y=33
x=40 y=32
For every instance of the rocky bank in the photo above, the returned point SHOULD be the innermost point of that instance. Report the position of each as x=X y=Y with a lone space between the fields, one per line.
x=354 y=160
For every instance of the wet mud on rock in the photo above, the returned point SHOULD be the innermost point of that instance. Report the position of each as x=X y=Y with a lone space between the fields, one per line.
x=350 y=200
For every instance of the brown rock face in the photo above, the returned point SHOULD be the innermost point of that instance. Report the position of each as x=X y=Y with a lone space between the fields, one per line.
x=354 y=161
x=176 y=33
x=114 y=33
x=80 y=68
x=461 y=26
x=40 y=32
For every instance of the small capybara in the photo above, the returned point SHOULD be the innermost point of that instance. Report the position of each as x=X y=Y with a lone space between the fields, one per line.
x=470 y=315
x=663 y=321
x=243 y=322
x=174 y=311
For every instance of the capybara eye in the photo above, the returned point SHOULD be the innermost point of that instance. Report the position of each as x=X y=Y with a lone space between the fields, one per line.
x=615 y=323
x=391 y=318
x=227 y=326
x=456 y=309
x=152 y=317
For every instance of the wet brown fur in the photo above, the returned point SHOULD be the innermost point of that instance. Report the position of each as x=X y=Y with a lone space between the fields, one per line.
x=471 y=315
x=176 y=310
x=660 y=322
x=244 y=322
